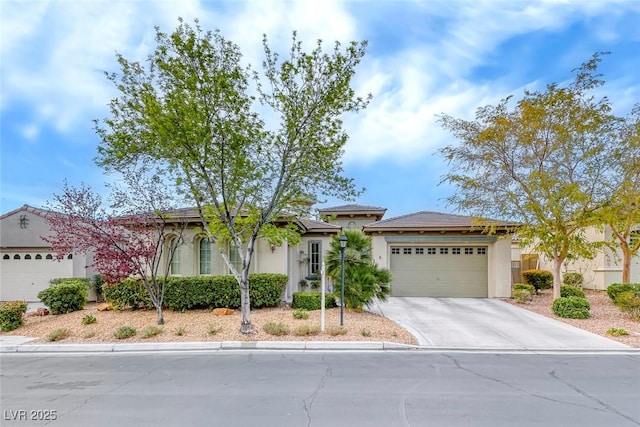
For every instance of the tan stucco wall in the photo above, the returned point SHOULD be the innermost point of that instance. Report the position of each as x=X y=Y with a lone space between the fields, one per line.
x=601 y=271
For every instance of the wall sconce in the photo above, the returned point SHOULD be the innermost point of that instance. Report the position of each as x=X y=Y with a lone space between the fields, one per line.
x=273 y=248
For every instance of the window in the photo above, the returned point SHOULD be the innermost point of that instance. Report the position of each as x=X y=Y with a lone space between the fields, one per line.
x=419 y=251
x=431 y=251
x=315 y=255
x=174 y=254
x=205 y=256
x=406 y=251
x=16 y=256
x=6 y=257
x=482 y=251
x=49 y=256
x=455 y=251
x=38 y=256
x=468 y=251
x=70 y=256
x=27 y=256
x=395 y=251
x=234 y=257
x=352 y=225
x=444 y=251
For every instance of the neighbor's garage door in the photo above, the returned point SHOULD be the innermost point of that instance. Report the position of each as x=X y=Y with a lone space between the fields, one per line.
x=439 y=271
x=24 y=275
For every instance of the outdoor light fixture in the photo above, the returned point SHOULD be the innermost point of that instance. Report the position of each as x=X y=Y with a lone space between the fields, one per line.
x=343 y=246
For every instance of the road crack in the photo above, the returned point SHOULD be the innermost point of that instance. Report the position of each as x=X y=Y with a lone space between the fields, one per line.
x=308 y=401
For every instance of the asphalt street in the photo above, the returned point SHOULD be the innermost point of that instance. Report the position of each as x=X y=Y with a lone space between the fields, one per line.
x=280 y=388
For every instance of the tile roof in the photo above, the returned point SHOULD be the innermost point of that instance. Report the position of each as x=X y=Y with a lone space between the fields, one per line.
x=431 y=220
x=313 y=225
x=36 y=211
x=353 y=207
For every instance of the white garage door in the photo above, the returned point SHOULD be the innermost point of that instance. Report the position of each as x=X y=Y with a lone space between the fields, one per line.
x=439 y=271
x=24 y=275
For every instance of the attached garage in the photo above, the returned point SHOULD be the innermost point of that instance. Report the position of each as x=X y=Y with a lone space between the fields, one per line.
x=432 y=254
x=439 y=271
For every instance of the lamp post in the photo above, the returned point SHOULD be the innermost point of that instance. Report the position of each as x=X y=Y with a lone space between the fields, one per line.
x=343 y=246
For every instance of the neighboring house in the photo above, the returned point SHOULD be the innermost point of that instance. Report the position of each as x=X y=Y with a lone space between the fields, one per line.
x=429 y=253
x=599 y=272
x=28 y=263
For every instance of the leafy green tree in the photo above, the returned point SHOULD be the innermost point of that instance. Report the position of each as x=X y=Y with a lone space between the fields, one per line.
x=247 y=148
x=622 y=212
x=364 y=282
x=541 y=162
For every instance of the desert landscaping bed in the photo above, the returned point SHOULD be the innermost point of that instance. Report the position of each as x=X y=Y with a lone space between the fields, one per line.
x=204 y=325
x=604 y=315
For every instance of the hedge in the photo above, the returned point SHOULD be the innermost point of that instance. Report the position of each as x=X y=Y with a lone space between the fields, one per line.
x=571 y=307
x=571 y=291
x=573 y=279
x=539 y=279
x=186 y=293
x=312 y=300
x=65 y=296
x=616 y=288
x=12 y=315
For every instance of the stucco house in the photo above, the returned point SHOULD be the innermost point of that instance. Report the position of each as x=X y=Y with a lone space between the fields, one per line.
x=429 y=253
x=600 y=272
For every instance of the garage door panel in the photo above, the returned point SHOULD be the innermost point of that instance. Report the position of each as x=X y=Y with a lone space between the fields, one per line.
x=439 y=274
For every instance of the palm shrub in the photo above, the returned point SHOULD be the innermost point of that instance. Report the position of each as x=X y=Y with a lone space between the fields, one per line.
x=364 y=281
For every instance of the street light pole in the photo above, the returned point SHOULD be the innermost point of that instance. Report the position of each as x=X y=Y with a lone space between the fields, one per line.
x=343 y=245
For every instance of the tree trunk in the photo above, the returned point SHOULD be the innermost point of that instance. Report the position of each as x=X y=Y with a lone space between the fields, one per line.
x=626 y=265
x=160 y=317
x=245 y=304
x=557 y=275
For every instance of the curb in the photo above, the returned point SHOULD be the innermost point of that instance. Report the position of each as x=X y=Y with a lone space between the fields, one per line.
x=204 y=346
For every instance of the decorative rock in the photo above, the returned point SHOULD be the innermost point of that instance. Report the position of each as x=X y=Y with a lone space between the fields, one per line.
x=42 y=311
x=222 y=311
x=104 y=307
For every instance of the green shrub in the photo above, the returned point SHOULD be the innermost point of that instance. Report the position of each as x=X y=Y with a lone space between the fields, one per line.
x=129 y=293
x=180 y=331
x=12 y=315
x=276 y=328
x=522 y=295
x=312 y=300
x=97 y=284
x=365 y=332
x=629 y=302
x=300 y=313
x=571 y=307
x=213 y=329
x=573 y=279
x=571 y=291
x=524 y=287
x=124 y=332
x=151 y=331
x=616 y=288
x=89 y=319
x=539 y=279
x=337 y=330
x=305 y=330
x=617 y=332
x=65 y=296
x=186 y=293
x=58 y=334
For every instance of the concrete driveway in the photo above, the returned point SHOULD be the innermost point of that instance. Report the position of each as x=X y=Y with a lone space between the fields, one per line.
x=479 y=323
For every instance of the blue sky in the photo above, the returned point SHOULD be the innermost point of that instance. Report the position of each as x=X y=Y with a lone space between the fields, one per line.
x=424 y=58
